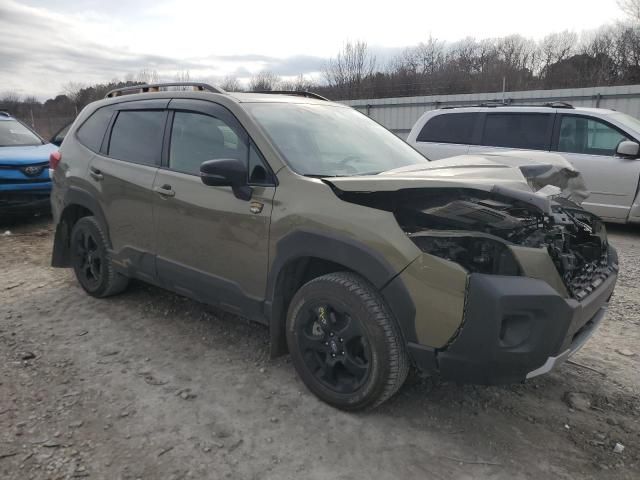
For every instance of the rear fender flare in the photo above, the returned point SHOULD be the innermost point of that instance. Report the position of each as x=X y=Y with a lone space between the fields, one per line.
x=74 y=196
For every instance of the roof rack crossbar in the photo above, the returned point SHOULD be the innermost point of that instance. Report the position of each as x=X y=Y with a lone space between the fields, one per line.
x=155 y=87
x=4 y=113
x=298 y=93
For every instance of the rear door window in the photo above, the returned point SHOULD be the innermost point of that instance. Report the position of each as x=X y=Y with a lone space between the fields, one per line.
x=531 y=131
x=449 y=128
x=588 y=135
x=91 y=132
x=137 y=136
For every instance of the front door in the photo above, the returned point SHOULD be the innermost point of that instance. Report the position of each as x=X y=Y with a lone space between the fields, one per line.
x=212 y=246
x=590 y=145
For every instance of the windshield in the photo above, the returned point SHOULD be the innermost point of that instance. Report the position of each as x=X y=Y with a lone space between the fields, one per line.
x=14 y=134
x=627 y=120
x=325 y=140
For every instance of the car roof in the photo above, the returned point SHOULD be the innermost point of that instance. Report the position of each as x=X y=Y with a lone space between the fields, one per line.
x=166 y=90
x=222 y=98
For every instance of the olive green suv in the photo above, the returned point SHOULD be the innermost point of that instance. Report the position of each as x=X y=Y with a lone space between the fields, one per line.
x=363 y=257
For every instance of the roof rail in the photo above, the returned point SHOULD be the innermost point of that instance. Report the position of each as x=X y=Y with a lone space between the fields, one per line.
x=508 y=103
x=155 y=87
x=558 y=105
x=297 y=93
x=5 y=113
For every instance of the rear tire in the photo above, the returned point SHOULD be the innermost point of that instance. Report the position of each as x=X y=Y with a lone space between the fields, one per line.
x=91 y=260
x=344 y=342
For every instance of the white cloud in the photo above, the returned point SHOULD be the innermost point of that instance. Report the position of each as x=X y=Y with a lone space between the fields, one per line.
x=47 y=43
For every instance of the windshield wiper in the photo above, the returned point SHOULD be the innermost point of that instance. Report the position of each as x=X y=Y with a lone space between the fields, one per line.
x=315 y=175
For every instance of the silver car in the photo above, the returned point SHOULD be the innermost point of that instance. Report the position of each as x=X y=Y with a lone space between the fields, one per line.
x=603 y=145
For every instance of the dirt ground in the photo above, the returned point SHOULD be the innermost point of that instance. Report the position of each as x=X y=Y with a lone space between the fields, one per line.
x=151 y=385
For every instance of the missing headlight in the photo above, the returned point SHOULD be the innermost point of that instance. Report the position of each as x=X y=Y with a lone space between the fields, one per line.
x=474 y=253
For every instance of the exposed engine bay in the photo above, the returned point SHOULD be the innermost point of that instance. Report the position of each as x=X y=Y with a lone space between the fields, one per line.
x=474 y=228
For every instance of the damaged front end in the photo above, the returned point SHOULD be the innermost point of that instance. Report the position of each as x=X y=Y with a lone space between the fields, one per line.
x=476 y=230
x=537 y=274
x=514 y=276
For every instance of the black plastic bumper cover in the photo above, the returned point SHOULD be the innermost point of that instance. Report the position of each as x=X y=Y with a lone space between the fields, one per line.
x=17 y=203
x=512 y=325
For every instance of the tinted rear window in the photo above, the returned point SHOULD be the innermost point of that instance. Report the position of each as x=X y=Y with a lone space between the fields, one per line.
x=137 y=136
x=517 y=130
x=93 y=129
x=449 y=128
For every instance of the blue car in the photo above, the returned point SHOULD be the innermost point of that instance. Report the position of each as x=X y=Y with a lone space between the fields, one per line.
x=24 y=168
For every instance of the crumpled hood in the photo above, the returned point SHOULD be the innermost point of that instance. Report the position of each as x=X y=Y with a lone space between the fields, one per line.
x=543 y=169
x=465 y=171
x=26 y=155
x=524 y=171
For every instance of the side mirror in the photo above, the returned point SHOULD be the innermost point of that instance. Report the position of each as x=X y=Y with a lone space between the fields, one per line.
x=59 y=137
x=628 y=148
x=227 y=172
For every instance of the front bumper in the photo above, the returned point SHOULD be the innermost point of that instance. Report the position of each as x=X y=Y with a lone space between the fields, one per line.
x=21 y=201
x=515 y=328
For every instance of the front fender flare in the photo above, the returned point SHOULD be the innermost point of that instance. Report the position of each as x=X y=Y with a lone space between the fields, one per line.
x=351 y=254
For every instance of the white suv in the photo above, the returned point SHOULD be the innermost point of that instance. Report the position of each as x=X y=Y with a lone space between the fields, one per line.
x=602 y=144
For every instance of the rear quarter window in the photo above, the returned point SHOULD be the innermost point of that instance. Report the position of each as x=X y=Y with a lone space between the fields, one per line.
x=449 y=128
x=91 y=132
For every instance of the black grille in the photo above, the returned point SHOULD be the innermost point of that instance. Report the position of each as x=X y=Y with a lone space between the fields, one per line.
x=20 y=181
x=8 y=199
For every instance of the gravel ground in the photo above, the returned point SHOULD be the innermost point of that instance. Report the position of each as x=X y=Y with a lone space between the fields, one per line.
x=151 y=385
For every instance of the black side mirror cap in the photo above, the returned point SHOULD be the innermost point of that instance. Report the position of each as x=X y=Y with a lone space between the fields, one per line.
x=227 y=172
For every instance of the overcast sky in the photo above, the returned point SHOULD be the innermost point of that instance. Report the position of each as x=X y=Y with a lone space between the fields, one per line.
x=46 y=43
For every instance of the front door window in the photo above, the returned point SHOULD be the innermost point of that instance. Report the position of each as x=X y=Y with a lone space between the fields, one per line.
x=588 y=136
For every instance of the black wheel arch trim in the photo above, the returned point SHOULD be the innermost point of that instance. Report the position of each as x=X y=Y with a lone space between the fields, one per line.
x=354 y=256
x=74 y=196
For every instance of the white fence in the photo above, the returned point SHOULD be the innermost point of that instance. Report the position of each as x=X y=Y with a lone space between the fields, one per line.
x=399 y=114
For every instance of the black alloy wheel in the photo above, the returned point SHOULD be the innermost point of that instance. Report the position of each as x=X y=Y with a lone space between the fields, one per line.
x=91 y=259
x=334 y=348
x=88 y=259
x=344 y=342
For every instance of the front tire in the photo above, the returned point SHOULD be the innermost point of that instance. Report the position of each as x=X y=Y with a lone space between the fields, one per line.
x=344 y=342
x=91 y=260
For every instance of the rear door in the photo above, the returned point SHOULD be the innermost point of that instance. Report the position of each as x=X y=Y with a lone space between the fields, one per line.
x=447 y=134
x=589 y=143
x=123 y=175
x=212 y=246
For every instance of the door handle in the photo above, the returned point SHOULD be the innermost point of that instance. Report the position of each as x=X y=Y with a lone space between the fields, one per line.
x=96 y=174
x=165 y=190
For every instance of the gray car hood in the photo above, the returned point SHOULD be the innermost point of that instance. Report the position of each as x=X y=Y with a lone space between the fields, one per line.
x=542 y=174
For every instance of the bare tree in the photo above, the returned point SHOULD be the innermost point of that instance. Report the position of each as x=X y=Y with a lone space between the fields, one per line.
x=183 y=76
x=264 y=81
x=231 y=84
x=631 y=8
x=147 y=76
x=555 y=48
x=425 y=58
x=298 y=84
x=73 y=91
x=10 y=101
x=348 y=70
